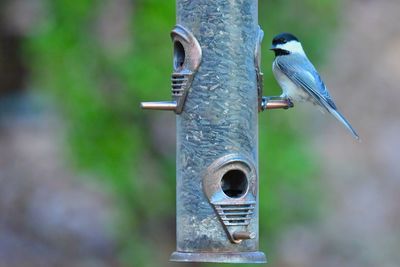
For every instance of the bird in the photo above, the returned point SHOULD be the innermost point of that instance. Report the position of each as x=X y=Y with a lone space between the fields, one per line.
x=299 y=79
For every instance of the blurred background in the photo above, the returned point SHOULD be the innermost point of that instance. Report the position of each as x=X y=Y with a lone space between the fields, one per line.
x=88 y=179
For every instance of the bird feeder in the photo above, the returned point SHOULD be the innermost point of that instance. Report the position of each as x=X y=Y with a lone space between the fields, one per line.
x=216 y=88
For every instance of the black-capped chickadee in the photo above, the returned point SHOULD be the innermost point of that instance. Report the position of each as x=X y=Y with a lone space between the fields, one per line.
x=299 y=79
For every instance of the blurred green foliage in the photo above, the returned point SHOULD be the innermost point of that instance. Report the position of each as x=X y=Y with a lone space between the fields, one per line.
x=99 y=93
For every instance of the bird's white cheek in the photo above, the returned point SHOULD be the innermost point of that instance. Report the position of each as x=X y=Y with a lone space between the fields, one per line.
x=293 y=47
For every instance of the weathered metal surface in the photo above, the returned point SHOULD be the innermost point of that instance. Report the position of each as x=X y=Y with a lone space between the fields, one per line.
x=219 y=119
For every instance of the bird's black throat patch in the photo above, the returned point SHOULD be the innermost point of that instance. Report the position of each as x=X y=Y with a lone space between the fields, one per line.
x=281 y=52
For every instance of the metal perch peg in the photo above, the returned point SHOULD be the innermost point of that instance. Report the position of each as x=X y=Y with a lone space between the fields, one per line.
x=160 y=105
x=242 y=235
x=275 y=103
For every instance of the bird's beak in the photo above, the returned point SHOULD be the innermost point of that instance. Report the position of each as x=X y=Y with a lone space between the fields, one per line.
x=272 y=48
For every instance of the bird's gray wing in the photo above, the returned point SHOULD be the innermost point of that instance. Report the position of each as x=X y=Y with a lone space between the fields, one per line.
x=301 y=72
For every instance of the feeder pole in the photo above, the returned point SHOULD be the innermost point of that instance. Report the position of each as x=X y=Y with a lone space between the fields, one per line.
x=217 y=95
x=220 y=118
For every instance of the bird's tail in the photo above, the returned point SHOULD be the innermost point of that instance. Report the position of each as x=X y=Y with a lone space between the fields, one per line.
x=342 y=119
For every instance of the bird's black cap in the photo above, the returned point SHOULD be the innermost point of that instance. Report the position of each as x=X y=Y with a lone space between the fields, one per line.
x=283 y=38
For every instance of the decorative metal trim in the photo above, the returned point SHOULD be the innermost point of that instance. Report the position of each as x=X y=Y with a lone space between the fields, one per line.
x=234 y=213
x=193 y=52
x=221 y=257
x=257 y=63
x=182 y=77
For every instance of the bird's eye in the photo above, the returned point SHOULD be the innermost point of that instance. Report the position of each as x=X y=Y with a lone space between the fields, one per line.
x=284 y=41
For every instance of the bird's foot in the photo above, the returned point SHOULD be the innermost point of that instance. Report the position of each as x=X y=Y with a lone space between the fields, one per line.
x=289 y=103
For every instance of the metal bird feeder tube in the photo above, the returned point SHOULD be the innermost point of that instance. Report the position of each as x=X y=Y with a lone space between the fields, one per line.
x=217 y=94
